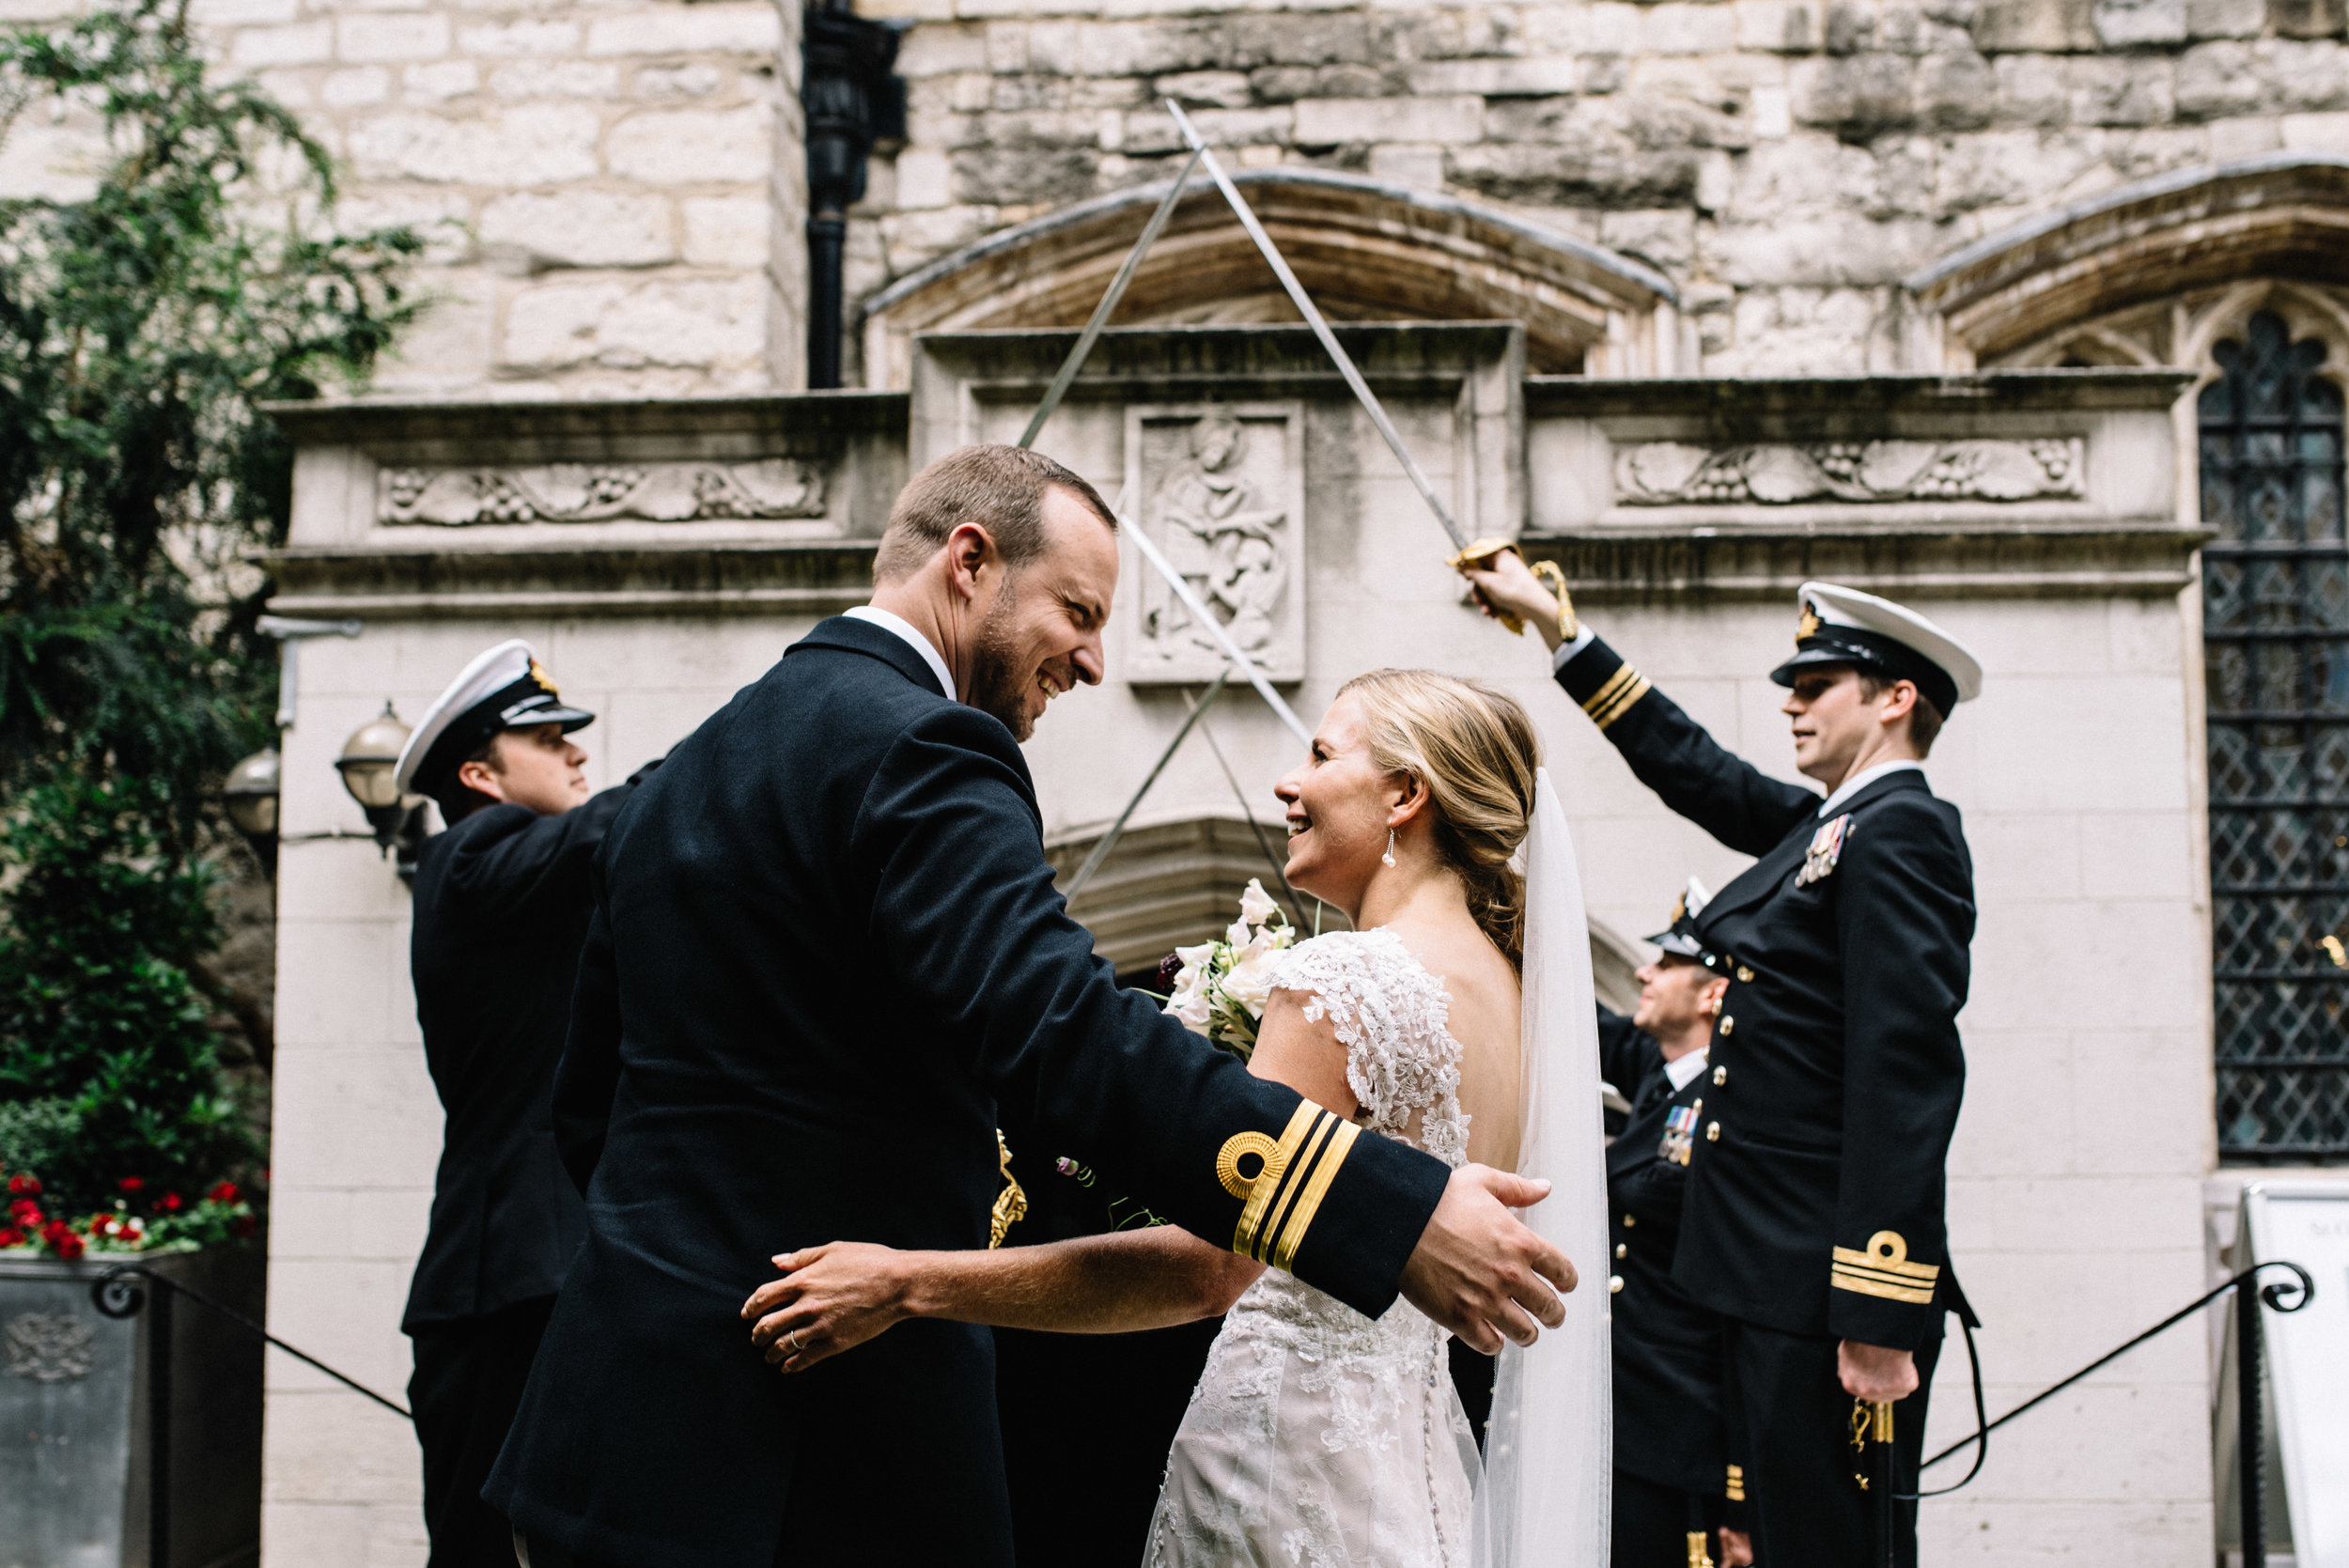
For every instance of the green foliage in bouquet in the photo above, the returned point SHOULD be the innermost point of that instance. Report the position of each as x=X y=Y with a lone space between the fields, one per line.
x=144 y=318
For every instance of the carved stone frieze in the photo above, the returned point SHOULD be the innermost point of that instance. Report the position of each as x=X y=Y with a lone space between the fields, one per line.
x=1221 y=491
x=772 y=488
x=1665 y=473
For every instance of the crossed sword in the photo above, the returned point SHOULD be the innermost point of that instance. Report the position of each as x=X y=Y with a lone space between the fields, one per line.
x=1201 y=156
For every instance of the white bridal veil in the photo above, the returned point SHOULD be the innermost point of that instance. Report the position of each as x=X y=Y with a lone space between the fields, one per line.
x=1549 y=1453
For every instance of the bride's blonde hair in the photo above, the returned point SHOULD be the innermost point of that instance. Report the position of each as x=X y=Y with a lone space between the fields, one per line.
x=1476 y=750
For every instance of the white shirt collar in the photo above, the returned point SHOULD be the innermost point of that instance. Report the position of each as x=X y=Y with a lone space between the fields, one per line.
x=1680 y=1069
x=1861 y=780
x=921 y=644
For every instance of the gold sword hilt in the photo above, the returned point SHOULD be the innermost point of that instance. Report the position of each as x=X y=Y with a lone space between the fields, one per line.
x=1481 y=555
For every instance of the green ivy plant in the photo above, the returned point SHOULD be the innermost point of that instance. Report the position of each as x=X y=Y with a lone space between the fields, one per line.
x=143 y=323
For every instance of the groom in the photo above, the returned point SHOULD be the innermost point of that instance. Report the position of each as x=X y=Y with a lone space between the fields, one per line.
x=826 y=952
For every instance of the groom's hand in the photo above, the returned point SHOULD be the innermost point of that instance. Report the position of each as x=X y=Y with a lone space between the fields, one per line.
x=1478 y=1270
x=831 y=1298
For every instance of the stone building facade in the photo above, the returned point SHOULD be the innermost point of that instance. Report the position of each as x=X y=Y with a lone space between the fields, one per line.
x=2034 y=311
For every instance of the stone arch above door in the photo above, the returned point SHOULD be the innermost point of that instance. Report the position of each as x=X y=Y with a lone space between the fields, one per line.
x=1366 y=249
x=2071 y=285
x=1173 y=883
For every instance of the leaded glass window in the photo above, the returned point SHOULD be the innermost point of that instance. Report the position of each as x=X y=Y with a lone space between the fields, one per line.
x=2276 y=640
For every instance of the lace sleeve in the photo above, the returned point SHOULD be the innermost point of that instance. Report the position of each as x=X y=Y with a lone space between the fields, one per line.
x=1390 y=1014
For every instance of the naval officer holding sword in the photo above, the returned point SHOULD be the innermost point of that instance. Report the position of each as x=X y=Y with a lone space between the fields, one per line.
x=1814 y=1213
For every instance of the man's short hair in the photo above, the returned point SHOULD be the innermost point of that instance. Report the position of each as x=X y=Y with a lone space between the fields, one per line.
x=1001 y=488
x=458 y=801
x=1925 y=719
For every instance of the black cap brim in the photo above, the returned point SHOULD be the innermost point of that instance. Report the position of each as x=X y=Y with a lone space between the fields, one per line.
x=1856 y=648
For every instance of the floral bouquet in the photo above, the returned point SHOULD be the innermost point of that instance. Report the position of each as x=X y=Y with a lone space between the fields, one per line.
x=1218 y=989
x=170 y=1223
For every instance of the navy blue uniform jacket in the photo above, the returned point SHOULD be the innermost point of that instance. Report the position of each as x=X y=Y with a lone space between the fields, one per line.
x=827 y=960
x=1817 y=1191
x=1667 y=1349
x=501 y=913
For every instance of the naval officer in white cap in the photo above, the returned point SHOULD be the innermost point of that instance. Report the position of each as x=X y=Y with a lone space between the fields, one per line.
x=1813 y=1220
x=502 y=904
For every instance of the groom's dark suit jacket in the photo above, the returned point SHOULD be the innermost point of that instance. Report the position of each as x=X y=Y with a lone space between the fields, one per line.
x=826 y=952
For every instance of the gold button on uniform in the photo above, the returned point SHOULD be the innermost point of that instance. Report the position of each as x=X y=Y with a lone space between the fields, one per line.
x=1629 y=1220
x=1712 y=1134
x=1720 y=1076
x=1614 y=1283
x=1745 y=976
x=1728 y=1027
x=1622 y=1250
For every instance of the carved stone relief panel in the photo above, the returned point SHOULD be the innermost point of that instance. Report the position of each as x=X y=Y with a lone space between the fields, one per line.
x=1220 y=486
x=773 y=487
x=50 y=1347
x=1663 y=473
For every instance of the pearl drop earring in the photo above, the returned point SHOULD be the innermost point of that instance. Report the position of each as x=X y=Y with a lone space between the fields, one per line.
x=1389 y=856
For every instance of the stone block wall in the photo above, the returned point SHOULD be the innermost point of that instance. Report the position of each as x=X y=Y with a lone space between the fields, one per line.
x=612 y=191
x=1786 y=162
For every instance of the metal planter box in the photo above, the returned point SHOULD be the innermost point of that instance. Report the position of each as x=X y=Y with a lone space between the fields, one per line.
x=87 y=1422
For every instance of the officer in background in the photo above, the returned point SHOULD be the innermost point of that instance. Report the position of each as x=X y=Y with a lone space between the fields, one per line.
x=1678 y=1474
x=501 y=903
x=1815 y=1218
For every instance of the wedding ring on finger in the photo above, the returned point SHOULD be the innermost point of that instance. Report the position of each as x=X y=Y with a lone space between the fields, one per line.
x=792 y=1338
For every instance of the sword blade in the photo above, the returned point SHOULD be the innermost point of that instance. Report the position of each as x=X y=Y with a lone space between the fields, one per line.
x=1092 y=334
x=1306 y=309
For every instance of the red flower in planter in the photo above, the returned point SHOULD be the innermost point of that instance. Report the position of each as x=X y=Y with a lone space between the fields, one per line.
x=25 y=1213
x=12 y=1237
x=24 y=1185
x=132 y=1184
x=225 y=1193
x=61 y=1239
x=98 y=1222
x=170 y=1202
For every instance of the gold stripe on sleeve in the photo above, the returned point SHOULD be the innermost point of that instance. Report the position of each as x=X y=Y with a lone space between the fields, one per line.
x=1309 y=1204
x=1261 y=1190
x=1293 y=1182
x=1869 y=1284
x=1624 y=674
x=1623 y=700
x=1882 y=1269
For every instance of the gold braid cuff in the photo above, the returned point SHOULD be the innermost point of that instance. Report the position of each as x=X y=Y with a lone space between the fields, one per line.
x=1284 y=1193
x=1883 y=1269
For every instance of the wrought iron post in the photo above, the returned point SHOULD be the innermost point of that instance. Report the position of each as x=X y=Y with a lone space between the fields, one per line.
x=851 y=102
x=2248 y=1412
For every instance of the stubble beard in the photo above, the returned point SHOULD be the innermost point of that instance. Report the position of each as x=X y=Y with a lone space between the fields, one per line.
x=998 y=686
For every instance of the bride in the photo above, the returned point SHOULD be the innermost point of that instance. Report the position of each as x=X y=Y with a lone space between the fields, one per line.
x=1317 y=1437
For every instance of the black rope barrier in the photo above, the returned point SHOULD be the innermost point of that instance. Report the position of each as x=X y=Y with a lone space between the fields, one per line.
x=2302 y=1290
x=117 y=1294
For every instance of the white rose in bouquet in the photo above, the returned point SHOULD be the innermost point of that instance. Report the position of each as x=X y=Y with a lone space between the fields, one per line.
x=1218 y=989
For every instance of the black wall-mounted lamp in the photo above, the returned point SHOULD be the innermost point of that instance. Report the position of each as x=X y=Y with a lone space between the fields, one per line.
x=369 y=758
x=250 y=793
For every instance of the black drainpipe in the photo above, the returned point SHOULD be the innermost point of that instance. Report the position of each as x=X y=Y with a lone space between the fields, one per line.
x=851 y=102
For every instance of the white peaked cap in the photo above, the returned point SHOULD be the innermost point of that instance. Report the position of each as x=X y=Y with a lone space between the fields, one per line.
x=1844 y=626
x=505 y=688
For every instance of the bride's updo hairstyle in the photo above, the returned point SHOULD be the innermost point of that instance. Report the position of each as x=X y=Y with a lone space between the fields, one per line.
x=1476 y=750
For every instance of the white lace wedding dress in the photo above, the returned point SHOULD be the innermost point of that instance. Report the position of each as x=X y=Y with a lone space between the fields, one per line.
x=1318 y=1438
